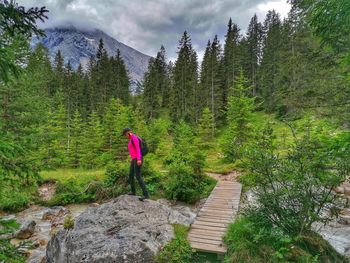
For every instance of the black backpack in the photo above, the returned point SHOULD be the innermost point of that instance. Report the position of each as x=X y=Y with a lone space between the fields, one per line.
x=143 y=145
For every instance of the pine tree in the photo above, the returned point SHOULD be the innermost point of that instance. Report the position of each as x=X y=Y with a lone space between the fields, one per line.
x=151 y=98
x=185 y=76
x=205 y=77
x=239 y=118
x=206 y=127
x=269 y=64
x=231 y=63
x=216 y=104
x=53 y=150
x=156 y=85
x=58 y=68
x=122 y=79
x=101 y=88
x=253 y=39
x=92 y=142
x=77 y=128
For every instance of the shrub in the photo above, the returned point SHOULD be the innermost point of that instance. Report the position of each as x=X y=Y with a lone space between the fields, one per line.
x=152 y=177
x=8 y=252
x=14 y=196
x=298 y=183
x=183 y=184
x=71 y=191
x=178 y=250
x=117 y=174
x=68 y=222
x=253 y=239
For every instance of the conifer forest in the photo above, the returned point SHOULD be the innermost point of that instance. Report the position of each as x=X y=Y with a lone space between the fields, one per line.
x=269 y=104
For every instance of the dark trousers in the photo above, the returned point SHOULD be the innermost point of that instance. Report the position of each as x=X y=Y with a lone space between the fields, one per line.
x=136 y=170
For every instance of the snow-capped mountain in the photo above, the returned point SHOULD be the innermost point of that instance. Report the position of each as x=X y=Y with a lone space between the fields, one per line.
x=77 y=46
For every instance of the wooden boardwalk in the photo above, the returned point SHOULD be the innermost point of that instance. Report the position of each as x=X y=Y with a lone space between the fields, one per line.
x=212 y=220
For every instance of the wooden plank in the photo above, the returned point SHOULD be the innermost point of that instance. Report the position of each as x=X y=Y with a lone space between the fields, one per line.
x=214 y=234
x=203 y=236
x=212 y=219
x=205 y=241
x=210 y=228
x=218 y=212
x=208 y=248
x=205 y=223
x=215 y=216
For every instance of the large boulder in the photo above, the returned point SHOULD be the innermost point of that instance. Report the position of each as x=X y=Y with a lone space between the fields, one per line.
x=123 y=230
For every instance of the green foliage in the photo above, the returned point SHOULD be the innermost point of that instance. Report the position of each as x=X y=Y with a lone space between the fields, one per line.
x=184 y=95
x=230 y=61
x=153 y=178
x=68 y=222
x=297 y=183
x=76 y=190
x=12 y=197
x=16 y=21
x=157 y=135
x=186 y=179
x=92 y=143
x=182 y=184
x=240 y=130
x=252 y=238
x=184 y=147
x=8 y=252
x=211 y=92
x=156 y=86
x=206 y=128
x=178 y=250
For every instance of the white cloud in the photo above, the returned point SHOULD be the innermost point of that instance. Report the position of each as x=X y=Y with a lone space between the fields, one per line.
x=146 y=25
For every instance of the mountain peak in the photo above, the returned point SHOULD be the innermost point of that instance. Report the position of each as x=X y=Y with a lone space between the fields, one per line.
x=78 y=45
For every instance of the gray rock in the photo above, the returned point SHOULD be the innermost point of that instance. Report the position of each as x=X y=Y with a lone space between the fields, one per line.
x=123 y=230
x=344 y=219
x=54 y=212
x=27 y=230
x=336 y=234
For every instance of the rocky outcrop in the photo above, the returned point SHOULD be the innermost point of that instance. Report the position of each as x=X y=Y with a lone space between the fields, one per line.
x=123 y=230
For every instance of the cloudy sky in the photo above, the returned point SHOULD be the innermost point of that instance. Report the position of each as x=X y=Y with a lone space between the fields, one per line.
x=147 y=24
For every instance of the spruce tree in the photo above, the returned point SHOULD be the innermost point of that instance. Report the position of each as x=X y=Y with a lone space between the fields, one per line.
x=185 y=88
x=151 y=98
x=123 y=80
x=269 y=64
x=92 y=142
x=58 y=67
x=76 y=148
x=216 y=104
x=206 y=127
x=156 y=85
x=239 y=132
x=254 y=42
x=205 y=77
x=231 y=63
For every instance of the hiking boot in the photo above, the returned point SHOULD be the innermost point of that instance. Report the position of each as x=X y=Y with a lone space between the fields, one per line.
x=131 y=194
x=142 y=198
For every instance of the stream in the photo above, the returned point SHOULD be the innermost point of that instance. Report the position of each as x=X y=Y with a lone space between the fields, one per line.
x=44 y=227
x=50 y=220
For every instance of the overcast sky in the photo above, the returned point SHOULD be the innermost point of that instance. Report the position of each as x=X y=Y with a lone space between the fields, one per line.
x=147 y=24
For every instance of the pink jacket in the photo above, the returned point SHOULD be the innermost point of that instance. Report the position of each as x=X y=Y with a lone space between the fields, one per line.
x=134 y=153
